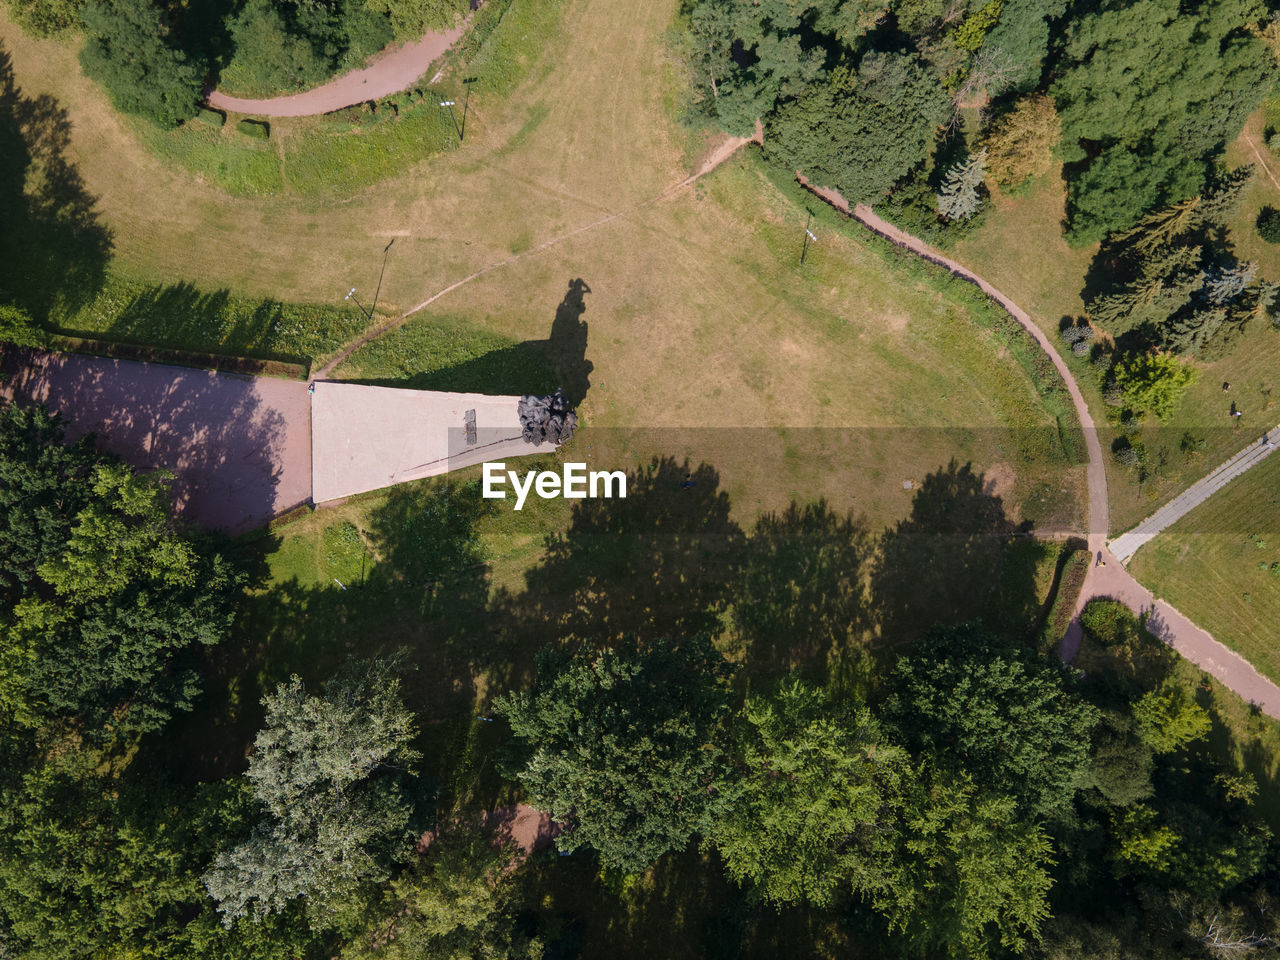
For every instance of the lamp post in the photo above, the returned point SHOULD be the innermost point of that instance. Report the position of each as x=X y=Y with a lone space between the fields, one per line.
x=808 y=235
x=351 y=295
x=453 y=116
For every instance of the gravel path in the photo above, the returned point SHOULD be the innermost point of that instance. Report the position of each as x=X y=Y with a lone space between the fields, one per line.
x=1127 y=544
x=1107 y=577
x=390 y=72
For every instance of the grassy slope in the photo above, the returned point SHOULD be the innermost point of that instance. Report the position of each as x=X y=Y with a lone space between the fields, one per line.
x=698 y=317
x=1020 y=249
x=1208 y=565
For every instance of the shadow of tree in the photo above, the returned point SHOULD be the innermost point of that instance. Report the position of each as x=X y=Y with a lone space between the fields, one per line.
x=659 y=563
x=238 y=446
x=53 y=250
x=800 y=600
x=954 y=559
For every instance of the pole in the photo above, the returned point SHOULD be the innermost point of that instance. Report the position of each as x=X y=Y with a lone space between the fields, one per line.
x=804 y=250
x=453 y=116
x=466 y=104
x=382 y=272
x=351 y=295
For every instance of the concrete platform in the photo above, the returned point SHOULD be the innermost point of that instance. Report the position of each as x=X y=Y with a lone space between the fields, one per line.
x=365 y=438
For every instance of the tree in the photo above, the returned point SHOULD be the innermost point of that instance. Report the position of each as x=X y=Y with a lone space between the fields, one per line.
x=1008 y=720
x=970 y=873
x=132 y=51
x=1153 y=382
x=1168 y=718
x=860 y=132
x=328 y=771
x=47 y=18
x=459 y=900
x=1148 y=93
x=624 y=746
x=17 y=328
x=106 y=594
x=1269 y=224
x=1020 y=144
x=959 y=198
x=816 y=809
x=747 y=57
x=1021 y=36
x=1166 y=281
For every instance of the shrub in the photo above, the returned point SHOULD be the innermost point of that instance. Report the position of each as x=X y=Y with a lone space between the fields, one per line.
x=258 y=129
x=1154 y=382
x=1125 y=453
x=211 y=118
x=1107 y=622
x=1269 y=224
x=1081 y=348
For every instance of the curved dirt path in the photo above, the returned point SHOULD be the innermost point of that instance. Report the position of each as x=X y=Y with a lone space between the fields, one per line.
x=390 y=72
x=718 y=155
x=1107 y=577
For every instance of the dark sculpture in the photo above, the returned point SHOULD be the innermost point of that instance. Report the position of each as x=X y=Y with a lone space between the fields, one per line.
x=547 y=419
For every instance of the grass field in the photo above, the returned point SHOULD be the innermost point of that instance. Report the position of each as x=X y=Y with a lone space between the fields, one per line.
x=1220 y=565
x=1020 y=249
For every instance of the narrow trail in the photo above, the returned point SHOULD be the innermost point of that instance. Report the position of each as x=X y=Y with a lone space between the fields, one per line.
x=715 y=158
x=1107 y=578
x=1262 y=160
x=390 y=72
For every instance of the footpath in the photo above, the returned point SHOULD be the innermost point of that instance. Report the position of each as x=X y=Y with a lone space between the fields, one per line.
x=1107 y=578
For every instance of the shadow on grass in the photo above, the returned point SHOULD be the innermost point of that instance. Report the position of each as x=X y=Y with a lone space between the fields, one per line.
x=464 y=359
x=53 y=249
x=955 y=559
x=658 y=564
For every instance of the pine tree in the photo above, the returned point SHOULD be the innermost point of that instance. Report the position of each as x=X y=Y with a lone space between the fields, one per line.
x=1164 y=285
x=959 y=198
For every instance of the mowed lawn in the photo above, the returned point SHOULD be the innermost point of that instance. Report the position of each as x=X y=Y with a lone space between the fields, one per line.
x=1220 y=565
x=846 y=379
x=1020 y=248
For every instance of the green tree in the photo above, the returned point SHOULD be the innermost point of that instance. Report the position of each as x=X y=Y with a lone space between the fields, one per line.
x=328 y=771
x=411 y=18
x=1020 y=144
x=107 y=596
x=970 y=874
x=1009 y=720
x=1148 y=94
x=458 y=901
x=17 y=328
x=1169 y=718
x=815 y=812
x=624 y=746
x=131 y=49
x=1153 y=382
x=47 y=18
x=959 y=198
x=860 y=132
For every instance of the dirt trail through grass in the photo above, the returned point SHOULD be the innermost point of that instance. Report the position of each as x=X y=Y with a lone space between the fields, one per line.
x=718 y=155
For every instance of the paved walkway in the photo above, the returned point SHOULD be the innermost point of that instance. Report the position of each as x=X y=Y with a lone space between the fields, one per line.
x=366 y=438
x=1111 y=580
x=390 y=72
x=240 y=447
x=1127 y=544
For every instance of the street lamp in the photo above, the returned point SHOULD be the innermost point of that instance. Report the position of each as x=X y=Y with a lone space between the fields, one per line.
x=453 y=116
x=808 y=235
x=351 y=295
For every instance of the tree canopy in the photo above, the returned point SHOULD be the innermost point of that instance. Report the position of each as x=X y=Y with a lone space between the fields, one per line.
x=624 y=745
